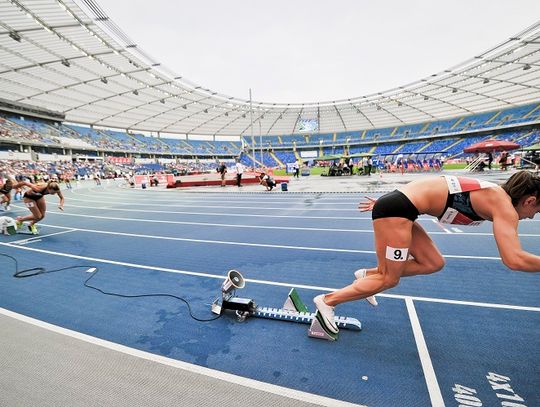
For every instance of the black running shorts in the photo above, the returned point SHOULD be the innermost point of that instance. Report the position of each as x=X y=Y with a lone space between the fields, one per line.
x=395 y=204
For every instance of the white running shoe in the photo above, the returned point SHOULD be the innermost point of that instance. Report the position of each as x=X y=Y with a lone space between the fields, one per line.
x=327 y=313
x=361 y=273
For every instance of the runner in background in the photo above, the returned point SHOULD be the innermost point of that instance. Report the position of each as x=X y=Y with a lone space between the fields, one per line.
x=34 y=199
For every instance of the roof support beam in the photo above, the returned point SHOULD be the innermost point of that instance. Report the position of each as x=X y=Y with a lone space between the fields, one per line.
x=341 y=118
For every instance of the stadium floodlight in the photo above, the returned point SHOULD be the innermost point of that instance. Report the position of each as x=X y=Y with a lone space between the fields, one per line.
x=486 y=81
x=526 y=67
x=104 y=80
x=65 y=62
x=136 y=92
x=454 y=90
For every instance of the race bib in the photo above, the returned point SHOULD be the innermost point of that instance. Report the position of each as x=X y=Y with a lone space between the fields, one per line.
x=396 y=254
x=453 y=217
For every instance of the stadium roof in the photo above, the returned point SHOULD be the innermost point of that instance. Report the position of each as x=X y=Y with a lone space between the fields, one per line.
x=68 y=56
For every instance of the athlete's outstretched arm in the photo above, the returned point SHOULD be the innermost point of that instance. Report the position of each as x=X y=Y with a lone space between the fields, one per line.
x=25 y=184
x=505 y=226
x=61 y=204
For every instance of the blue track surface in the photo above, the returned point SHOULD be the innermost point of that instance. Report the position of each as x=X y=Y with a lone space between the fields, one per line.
x=475 y=316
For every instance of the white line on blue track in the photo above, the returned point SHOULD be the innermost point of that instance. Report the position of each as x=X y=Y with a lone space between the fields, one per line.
x=349 y=230
x=40 y=237
x=447 y=231
x=237 y=214
x=223 y=205
x=225 y=225
x=429 y=373
x=274 y=246
x=249 y=198
x=266 y=282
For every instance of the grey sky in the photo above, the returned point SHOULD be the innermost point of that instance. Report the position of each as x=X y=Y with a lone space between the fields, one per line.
x=313 y=50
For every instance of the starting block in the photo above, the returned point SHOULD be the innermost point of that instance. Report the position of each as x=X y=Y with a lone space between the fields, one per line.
x=294 y=310
x=9 y=230
x=25 y=231
x=8 y=225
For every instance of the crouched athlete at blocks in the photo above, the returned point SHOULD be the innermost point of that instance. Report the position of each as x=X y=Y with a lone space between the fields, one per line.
x=34 y=199
x=404 y=248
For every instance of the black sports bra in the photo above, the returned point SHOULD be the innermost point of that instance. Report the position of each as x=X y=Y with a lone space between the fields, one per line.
x=458 y=209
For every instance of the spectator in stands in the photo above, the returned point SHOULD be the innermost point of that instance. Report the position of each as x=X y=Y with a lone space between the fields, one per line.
x=34 y=199
x=267 y=181
x=222 y=169
x=404 y=248
x=239 y=171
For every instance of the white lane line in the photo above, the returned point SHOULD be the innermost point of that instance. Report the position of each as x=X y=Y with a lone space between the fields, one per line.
x=441 y=226
x=424 y=218
x=309 y=248
x=466 y=303
x=226 y=205
x=241 y=199
x=352 y=230
x=223 y=214
x=222 y=242
x=35 y=240
x=39 y=237
x=429 y=373
x=221 y=199
x=216 y=374
x=267 y=282
x=227 y=225
x=258 y=197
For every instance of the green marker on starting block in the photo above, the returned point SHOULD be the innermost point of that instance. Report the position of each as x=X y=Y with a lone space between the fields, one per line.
x=11 y=230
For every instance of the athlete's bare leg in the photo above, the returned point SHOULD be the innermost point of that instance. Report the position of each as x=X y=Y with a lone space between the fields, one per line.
x=395 y=233
x=427 y=257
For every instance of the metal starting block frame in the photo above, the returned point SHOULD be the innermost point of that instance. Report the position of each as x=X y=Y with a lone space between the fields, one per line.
x=25 y=232
x=294 y=310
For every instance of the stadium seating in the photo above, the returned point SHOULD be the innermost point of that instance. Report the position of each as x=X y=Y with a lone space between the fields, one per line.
x=453 y=135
